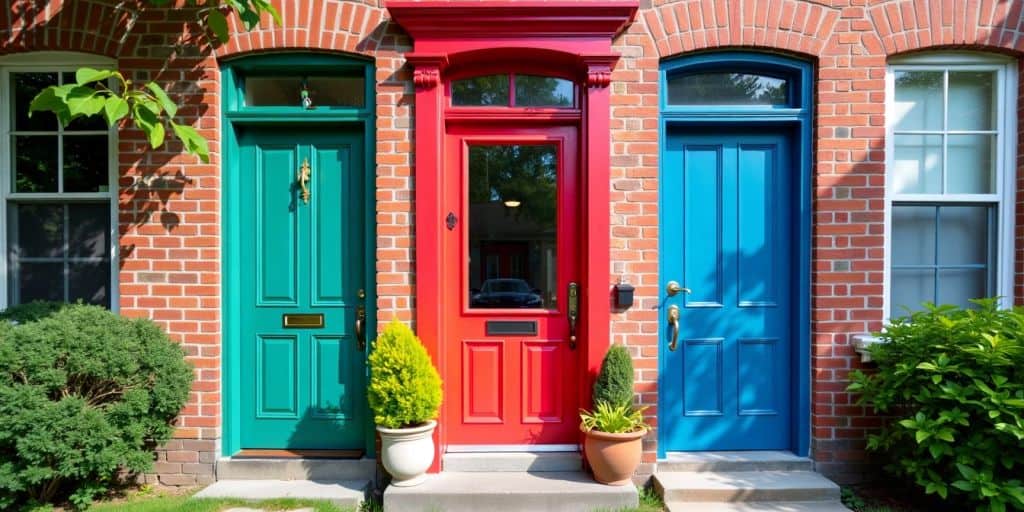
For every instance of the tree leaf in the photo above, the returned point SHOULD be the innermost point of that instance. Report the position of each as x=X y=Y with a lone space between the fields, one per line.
x=48 y=101
x=219 y=25
x=165 y=101
x=115 y=109
x=150 y=125
x=84 y=101
x=85 y=76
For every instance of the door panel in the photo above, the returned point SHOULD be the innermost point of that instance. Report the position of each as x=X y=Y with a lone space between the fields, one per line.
x=514 y=193
x=727 y=385
x=300 y=387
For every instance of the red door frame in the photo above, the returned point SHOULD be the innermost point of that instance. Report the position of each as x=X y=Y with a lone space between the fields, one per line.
x=454 y=36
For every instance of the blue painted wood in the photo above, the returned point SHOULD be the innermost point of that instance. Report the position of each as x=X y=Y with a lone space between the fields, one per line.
x=795 y=122
x=727 y=387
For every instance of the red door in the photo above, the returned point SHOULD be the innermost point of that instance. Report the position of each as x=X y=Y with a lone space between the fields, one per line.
x=512 y=368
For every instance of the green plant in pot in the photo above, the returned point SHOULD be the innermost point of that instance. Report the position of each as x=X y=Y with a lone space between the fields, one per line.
x=405 y=396
x=614 y=429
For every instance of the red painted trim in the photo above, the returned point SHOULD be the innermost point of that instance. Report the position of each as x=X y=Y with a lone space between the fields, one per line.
x=461 y=38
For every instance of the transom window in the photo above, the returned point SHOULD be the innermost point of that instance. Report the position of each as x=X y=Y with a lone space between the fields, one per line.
x=949 y=174
x=57 y=192
x=513 y=90
x=728 y=88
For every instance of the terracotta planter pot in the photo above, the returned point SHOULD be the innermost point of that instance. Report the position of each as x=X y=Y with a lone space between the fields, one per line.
x=613 y=457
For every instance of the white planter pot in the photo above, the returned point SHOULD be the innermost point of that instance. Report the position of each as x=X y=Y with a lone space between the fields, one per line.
x=407 y=453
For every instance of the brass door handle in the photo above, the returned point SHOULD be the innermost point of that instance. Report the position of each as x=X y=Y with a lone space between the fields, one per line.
x=361 y=327
x=574 y=313
x=673 y=320
x=302 y=176
x=672 y=288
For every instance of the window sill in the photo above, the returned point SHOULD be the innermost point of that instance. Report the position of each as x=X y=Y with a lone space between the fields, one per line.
x=862 y=344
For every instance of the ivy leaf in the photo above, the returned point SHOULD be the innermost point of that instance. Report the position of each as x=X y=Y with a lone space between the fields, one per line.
x=219 y=25
x=165 y=101
x=115 y=109
x=89 y=75
x=194 y=143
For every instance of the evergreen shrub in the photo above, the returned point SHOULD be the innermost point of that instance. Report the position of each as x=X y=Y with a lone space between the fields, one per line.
x=405 y=389
x=614 y=384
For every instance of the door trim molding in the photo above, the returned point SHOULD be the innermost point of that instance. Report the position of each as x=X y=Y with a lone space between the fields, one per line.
x=235 y=115
x=797 y=117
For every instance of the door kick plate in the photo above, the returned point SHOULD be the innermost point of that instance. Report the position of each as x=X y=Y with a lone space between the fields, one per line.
x=302 y=320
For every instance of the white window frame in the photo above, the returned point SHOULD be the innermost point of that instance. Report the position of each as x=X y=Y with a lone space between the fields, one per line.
x=1004 y=197
x=53 y=62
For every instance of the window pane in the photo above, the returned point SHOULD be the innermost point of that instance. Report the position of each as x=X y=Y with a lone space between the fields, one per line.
x=86 y=163
x=35 y=163
x=964 y=235
x=329 y=91
x=917 y=164
x=35 y=230
x=481 y=90
x=37 y=281
x=971 y=100
x=89 y=230
x=913 y=235
x=718 y=88
x=918 y=100
x=543 y=91
x=971 y=164
x=25 y=87
x=89 y=282
x=95 y=122
x=957 y=286
x=910 y=288
x=512 y=221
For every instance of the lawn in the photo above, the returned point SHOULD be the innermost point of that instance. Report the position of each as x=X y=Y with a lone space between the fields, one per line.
x=148 y=501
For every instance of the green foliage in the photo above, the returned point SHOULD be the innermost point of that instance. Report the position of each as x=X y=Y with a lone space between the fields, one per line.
x=405 y=389
x=83 y=394
x=614 y=384
x=953 y=379
x=147 y=106
x=31 y=311
x=613 y=419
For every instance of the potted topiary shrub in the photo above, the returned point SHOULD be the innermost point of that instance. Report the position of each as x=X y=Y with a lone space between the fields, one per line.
x=614 y=429
x=405 y=396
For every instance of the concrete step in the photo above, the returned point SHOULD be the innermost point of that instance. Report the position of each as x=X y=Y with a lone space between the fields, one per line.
x=505 y=462
x=509 y=492
x=734 y=461
x=345 y=493
x=744 y=486
x=295 y=469
x=778 y=506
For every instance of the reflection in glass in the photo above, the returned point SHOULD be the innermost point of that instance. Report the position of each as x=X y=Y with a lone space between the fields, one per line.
x=917 y=164
x=718 y=88
x=972 y=100
x=326 y=91
x=481 y=90
x=85 y=163
x=918 y=102
x=512 y=223
x=35 y=163
x=543 y=91
x=972 y=164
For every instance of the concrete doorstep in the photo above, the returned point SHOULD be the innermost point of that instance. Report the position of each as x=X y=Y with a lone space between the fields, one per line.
x=346 y=493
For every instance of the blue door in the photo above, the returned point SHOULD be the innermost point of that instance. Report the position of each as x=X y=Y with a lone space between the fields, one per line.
x=726 y=225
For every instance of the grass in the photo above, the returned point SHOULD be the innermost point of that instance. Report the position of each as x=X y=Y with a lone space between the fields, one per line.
x=149 y=501
x=649 y=502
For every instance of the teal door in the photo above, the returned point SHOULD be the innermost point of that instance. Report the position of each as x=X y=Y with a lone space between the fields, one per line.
x=302 y=371
x=726 y=234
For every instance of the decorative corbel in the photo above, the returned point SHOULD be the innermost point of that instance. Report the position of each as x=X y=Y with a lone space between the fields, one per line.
x=599 y=70
x=426 y=72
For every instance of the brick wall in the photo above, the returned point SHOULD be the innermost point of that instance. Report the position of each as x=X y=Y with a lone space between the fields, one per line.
x=170 y=203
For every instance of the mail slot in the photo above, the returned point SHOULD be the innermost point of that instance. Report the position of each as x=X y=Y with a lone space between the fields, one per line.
x=303 y=321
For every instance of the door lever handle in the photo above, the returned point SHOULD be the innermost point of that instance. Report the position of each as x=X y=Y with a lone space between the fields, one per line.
x=303 y=178
x=573 y=312
x=672 y=288
x=361 y=328
x=673 y=320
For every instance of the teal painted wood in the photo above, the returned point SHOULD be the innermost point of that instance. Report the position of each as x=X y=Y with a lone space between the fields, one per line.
x=300 y=388
x=237 y=118
x=795 y=121
x=728 y=238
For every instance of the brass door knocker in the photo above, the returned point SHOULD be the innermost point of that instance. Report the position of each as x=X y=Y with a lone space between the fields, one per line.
x=303 y=178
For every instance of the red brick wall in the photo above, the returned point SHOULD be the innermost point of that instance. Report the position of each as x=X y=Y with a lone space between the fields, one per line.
x=170 y=203
x=849 y=42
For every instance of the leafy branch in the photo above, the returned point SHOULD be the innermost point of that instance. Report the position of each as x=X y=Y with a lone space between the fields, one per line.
x=147 y=106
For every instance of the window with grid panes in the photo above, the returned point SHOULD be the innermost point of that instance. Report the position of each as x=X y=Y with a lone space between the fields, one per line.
x=948 y=174
x=57 y=194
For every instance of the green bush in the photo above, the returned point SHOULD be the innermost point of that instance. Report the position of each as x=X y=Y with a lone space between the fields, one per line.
x=84 y=394
x=405 y=389
x=952 y=381
x=614 y=384
x=31 y=311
